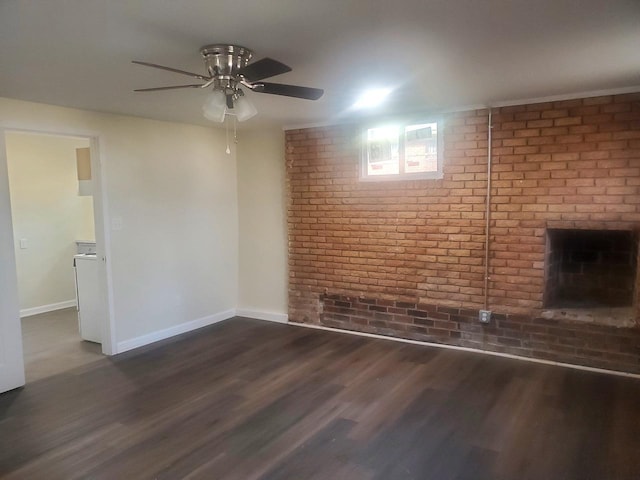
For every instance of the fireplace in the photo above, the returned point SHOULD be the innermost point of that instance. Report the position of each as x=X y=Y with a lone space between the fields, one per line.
x=590 y=268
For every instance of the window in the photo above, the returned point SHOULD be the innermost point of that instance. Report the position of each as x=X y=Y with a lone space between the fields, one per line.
x=404 y=152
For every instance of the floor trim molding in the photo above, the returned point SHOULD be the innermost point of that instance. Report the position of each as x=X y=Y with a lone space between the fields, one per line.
x=152 y=337
x=262 y=315
x=52 y=307
x=467 y=349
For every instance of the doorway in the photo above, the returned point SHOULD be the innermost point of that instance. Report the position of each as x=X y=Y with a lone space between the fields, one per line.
x=54 y=229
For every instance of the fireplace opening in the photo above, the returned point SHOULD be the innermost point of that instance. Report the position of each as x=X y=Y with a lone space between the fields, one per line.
x=590 y=268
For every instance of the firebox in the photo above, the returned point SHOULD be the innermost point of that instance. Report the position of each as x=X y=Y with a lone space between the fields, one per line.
x=590 y=268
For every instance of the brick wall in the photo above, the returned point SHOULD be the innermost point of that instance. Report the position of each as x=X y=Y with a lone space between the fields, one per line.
x=570 y=164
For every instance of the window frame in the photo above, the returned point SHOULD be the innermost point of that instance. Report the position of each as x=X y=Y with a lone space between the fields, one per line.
x=364 y=176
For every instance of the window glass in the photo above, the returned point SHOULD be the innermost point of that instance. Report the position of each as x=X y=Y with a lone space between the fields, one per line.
x=404 y=151
x=421 y=148
x=383 y=151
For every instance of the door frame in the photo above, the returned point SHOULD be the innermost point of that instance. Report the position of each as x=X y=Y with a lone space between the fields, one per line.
x=11 y=354
x=101 y=221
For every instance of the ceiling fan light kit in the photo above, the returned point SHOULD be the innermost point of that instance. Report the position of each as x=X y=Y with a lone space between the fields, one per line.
x=244 y=109
x=228 y=69
x=215 y=107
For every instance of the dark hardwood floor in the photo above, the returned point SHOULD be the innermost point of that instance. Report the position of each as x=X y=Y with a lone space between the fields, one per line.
x=52 y=344
x=248 y=399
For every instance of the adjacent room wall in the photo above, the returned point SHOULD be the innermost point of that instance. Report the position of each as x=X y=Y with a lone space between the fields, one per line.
x=172 y=208
x=406 y=258
x=262 y=217
x=48 y=214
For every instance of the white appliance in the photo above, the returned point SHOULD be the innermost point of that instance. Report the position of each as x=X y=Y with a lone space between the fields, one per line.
x=90 y=311
x=85 y=246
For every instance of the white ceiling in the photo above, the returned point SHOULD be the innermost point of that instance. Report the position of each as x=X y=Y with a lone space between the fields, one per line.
x=437 y=54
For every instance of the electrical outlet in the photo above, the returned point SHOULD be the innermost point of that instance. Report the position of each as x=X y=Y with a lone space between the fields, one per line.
x=484 y=316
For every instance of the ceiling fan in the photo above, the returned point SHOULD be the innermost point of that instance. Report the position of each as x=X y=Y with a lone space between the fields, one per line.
x=228 y=69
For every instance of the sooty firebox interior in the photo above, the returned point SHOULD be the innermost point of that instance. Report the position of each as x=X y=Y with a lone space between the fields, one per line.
x=590 y=268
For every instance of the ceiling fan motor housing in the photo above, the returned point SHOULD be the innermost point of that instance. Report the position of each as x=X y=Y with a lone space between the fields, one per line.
x=223 y=61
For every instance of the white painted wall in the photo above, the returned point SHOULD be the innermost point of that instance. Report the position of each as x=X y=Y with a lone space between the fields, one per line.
x=48 y=214
x=175 y=259
x=263 y=224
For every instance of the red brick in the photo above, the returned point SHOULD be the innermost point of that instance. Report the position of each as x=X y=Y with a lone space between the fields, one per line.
x=562 y=163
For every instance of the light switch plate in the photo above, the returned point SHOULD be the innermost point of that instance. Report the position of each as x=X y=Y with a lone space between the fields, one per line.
x=24 y=243
x=116 y=223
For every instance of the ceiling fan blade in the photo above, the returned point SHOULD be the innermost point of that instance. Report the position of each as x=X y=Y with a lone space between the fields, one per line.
x=307 y=93
x=168 y=88
x=175 y=70
x=264 y=68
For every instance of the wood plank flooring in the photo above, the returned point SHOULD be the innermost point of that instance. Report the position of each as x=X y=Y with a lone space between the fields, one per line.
x=52 y=344
x=246 y=399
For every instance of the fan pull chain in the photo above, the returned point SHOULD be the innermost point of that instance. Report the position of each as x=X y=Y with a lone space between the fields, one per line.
x=228 y=150
x=235 y=130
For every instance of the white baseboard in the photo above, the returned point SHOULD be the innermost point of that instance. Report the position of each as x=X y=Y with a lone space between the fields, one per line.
x=466 y=349
x=143 y=340
x=261 y=315
x=27 y=312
